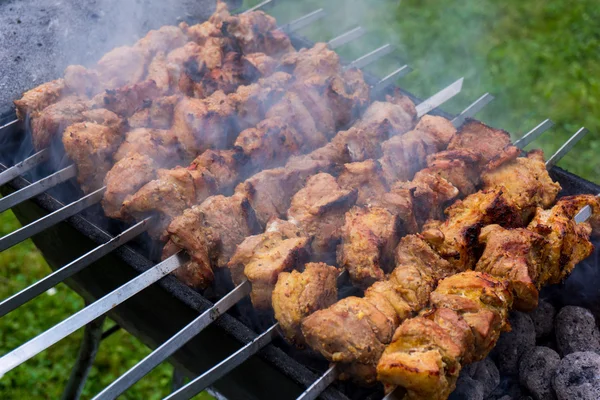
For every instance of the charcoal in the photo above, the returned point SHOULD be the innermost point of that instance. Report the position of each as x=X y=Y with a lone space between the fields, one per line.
x=486 y=373
x=467 y=388
x=543 y=319
x=577 y=377
x=509 y=386
x=536 y=372
x=513 y=344
x=576 y=330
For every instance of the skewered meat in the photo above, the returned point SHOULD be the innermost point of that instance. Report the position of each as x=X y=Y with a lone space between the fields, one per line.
x=257 y=31
x=366 y=177
x=222 y=165
x=158 y=71
x=211 y=231
x=199 y=33
x=82 y=81
x=348 y=95
x=459 y=167
x=52 y=120
x=266 y=65
x=317 y=61
x=481 y=139
x=160 y=145
x=91 y=147
x=127 y=100
x=369 y=236
x=261 y=258
x=38 y=98
x=122 y=66
x=161 y=40
x=299 y=294
x=318 y=210
x=105 y=117
x=158 y=114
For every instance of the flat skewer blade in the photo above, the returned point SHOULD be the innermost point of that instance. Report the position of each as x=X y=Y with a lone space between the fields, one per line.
x=163 y=352
x=9 y=127
x=304 y=21
x=259 y=6
x=439 y=98
x=51 y=219
x=371 y=57
x=396 y=394
x=584 y=214
x=38 y=187
x=565 y=148
x=320 y=384
x=347 y=37
x=90 y=313
x=72 y=268
x=24 y=166
x=534 y=133
x=212 y=375
x=473 y=109
x=391 y=78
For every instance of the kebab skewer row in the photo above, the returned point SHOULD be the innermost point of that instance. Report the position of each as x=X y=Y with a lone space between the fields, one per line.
x=469 y=310
x=326 y=330
x=46 y=339
x=295 y=296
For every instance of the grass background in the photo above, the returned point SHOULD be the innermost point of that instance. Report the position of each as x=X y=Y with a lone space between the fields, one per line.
x=540 y=60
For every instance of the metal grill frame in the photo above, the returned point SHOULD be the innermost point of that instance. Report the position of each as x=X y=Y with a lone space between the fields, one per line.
x=161 y=310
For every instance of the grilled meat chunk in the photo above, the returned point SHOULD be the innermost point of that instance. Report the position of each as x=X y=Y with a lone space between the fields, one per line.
x=319 y=60
x=366 y=177
x=158 y=71
x=126 y=176
x=158 y=114
x=480 y=138
x=127 y=100
x=91 y=147
x=369 y=237
x=122 y=66
x=261 y=258
x=105 y=117
x=459 y=167
x=222 y=165
x=165 y=38
x=160 y=145
x=265 y=64
x=348 y=94
x=318 y=210
x=82 y=81
x=256 y=31
x=200 y=32
x=38 y=98
x=298 y=294
x=53 y=120
x=194 y=274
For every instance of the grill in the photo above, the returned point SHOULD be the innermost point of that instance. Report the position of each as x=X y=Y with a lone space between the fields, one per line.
x=107 y=262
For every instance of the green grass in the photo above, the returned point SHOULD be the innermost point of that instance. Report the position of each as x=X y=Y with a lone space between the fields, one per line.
x=540 y=60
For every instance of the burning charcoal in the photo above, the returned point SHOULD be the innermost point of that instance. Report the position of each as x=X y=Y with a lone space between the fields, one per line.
x=576 y=330
x=513 y=344
x=486 y=373
x=467 y=389
x=577 y=377
x=543 y=319
x=536 y=371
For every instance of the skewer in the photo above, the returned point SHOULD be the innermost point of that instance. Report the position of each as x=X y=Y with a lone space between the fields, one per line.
x=7 y=128
x=24 y=166
x=368 y=58
x=73 y=267
x=347 y=37
x=472 y=109
x=304 y=21
x=320 y=384
x=241 y=355
x=391 y=78
x=259 y=6
x=51 y=219
x=38 y=187
x=119 y=295
x=565 y=148
x=534 y=133
x=439 y=98
x=89 y=313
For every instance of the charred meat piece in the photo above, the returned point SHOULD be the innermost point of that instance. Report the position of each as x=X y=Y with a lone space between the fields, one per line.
x=299 y=294
x=400 y=202
x=161 y=40
x=318 y=210
x=347 y=94
x=318 y=61
x=459 y=167
x=82 y=81
x=257 y=32
x=52 y=120
x=122 y=66
x=196 y=275
x=369 y=237
x=486 y=141
x=211 y=231
x=91 y=147
x=158 y=114
x=235 y=70
x=127 y=100
x=456 y=239
x=105 y=117
x=38 y=98
x=126 y=176
x=200 y=32
x=366 y=177
x=222 y=165
x=526 y=183
x=261 y=258
x=265 y=64
x=160 y=145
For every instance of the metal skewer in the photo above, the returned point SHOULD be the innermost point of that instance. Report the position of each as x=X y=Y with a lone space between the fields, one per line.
x=534 y=134
x=73 y=267
x=320 y=384
x=89 y=313
x=391 y=78
x=439 y=98
x=259 y=6
x=368 y=58
x=119 y=295
x=38 y=187
x=347 y=37
x=24 y=166
x=565 y=148
x=472 y=109
x=304 y=21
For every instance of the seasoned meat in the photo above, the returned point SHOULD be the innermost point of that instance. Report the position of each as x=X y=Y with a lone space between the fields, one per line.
x=158 y=114
x=366 y=177
x=310 y=93
x=165 y=38
x=105 y=117
x=127 y=100
x=38 y=98
x=400 y=202
x=482 y=139
x=122 y=66
x=53 y=120
x=200 y=32
x=235 y=70
x=299 y=294
x=158 y=71
x=82 y=81
x=160 y=145
x=319 y=61
x=196 y=275
x=261 y=258
x=265 y=64
x=91 y=147
x=459 y=167
x=257 y=32
x=348 y=94
x=318 y=209
x=368 y=239
x=222 y=165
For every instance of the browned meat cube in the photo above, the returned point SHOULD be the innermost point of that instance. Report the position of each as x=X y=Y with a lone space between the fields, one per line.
x=459 y=167
x=105 y=117
x=347 y=95
x=366 y=177
x=482 y=139
x=222 y=165
x=257 y=32
x=158 y=115
x=196 y=275
x=158 y=71
x=52 y=120
x=127 y=100
x=82 y=81
x=265 y=64
x=165 y=38
x=299 y=294
x=91 y=147
x=318 y=209
x=319 y=60
x=38 y=98
x=200 y=32
x=160 y=145
x=122 y=66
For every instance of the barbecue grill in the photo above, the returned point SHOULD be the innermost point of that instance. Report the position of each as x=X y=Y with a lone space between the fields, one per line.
x=157 y=313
